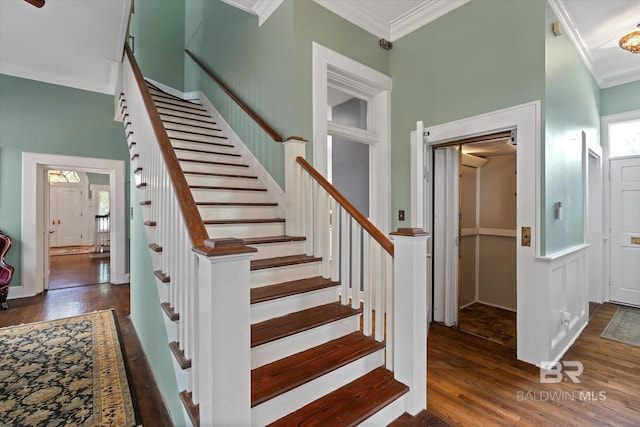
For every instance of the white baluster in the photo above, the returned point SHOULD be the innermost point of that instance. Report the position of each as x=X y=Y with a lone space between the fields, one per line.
x=380 y=292
x=366 y=282
x=355 y=263
x=345 y=266
x=335 y=241
x=323 y=211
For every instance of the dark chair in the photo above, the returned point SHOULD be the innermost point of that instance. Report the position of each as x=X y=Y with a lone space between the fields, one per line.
x=6 y=271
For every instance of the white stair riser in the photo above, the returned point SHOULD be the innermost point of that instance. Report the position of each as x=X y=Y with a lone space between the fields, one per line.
x=276 y=350
x=209 y=157
x=282 y=306
x=194 y=137
x=212 y=195
x=238 y=212
x=195 y=109
x=274 y=250
x=196 y=121
x=181 y=103
x=182 y=114
x=206 y=167
x=220 y=146
x=173 y=127
x=271 y=276
x=223 y=181
x=386 y=415
x=279 y=406
x=241 y=231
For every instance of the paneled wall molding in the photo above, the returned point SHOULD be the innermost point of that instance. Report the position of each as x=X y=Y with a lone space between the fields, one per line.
x=563 y=253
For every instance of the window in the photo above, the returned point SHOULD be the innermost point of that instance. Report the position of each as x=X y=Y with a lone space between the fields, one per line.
x=60 y=176
x=624 y=139
x=103 y=202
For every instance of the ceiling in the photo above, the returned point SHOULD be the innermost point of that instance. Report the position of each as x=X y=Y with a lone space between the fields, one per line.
x=78 y=43
x=75 y=43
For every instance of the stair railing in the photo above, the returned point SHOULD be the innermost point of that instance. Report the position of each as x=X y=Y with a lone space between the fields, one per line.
x=388 y=281
x=207 y=280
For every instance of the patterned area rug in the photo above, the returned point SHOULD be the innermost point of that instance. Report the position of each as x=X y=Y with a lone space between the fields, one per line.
x=624 y=327
x=67 y=372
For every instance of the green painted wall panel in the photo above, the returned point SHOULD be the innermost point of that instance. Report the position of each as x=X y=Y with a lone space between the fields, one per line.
x=158 y=28
x=620 y=99
x=572 y=106
x=484 y=56
x=44 y=118
x=147 y=316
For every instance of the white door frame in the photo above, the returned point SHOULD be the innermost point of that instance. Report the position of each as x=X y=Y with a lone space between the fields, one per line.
x=593 y=216
x=34 y=219
x=330 y=67
x=525 y=119
x=605 y=122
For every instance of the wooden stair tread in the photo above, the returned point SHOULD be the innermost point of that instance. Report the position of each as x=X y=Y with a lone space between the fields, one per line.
x=225 y=175
x=192 y=410
x=178 y=353
x=243 y=221
x=236 y=204
x=280 y=327
x=215 y=187
x=276 y=378
x=349 y=405
x=193 y=109
x=209 y=162
x=273 y=239
x=174 y=122
x=169 y=311
x=260 y=264
x=284 y=289
x=201 y=120
x=421 y=419
x=193 y=150
x=189 y=132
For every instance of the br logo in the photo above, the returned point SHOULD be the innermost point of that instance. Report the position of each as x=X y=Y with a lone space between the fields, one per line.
x=556 y=372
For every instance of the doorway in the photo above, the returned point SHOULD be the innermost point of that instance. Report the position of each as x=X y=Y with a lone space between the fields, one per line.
x=487 y=291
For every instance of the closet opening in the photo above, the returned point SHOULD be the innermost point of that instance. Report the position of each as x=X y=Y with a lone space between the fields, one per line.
x=486 y=241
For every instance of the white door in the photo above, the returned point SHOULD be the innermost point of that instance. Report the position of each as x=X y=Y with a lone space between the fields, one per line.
x=625 y=230
x=66 y=220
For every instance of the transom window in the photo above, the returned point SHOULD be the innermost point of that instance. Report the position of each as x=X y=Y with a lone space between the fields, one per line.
x=61 y=176
x=624 y=139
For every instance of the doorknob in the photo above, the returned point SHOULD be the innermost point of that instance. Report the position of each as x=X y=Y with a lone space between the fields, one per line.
x=58 y=221
x=51 y=232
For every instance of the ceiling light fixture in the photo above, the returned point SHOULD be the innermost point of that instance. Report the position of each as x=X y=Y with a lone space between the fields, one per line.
x=631 y=41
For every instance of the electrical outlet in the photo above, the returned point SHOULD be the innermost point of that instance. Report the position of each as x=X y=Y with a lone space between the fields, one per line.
x=400 y=215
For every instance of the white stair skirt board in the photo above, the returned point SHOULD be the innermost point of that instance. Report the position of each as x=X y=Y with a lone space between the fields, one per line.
x=279 y=406
x=276 y=350
x=385 y=415
x=205 y=167
x=208 y=157
x=289 y=273
x=282 y=306
x=222 y=181
x=218 y=146
x=239 y=212
x=245 y=230
x=274 y=250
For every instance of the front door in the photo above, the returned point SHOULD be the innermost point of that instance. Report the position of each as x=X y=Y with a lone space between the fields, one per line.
x=66 y=215
x=625 y=230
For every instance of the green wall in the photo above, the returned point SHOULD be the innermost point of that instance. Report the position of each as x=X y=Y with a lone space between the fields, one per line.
x=147 y=316
x=484 y=56
x=620 y=99
x=158 y=30
x=572 y=105
x=44 y=118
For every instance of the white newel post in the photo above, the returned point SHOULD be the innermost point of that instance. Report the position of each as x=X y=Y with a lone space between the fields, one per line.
x=224 y=337
x=293 y=148
x=410 y=310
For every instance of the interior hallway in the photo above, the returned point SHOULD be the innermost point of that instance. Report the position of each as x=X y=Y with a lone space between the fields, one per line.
x=68 y=271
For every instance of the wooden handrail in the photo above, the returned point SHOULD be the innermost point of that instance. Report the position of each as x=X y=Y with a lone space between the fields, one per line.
x=195 y=225
x=383 y=240
x=259 y=120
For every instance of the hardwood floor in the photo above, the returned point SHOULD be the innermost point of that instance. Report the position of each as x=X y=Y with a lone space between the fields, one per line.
x=68 y=271
x=56 y=304
x=475 y=382
x=492 y=323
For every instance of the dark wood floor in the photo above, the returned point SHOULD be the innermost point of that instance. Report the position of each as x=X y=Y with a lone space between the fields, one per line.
x=475 y=382
x=69 y=271
x=56 y=304
x=492 y=323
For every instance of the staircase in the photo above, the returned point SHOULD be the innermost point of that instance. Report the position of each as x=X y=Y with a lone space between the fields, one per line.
x=316 y=356
x=309 y=359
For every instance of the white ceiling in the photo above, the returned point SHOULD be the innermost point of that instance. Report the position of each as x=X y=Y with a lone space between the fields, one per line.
x=78 y=43
x=75 y=43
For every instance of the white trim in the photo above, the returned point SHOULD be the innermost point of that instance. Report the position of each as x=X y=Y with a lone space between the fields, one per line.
x=34 y=166
x=354 y=14
x=264 y=9
x=557 y=255
x=330 y=67
x=354 y=134
x=605 y=122
x=496 y=306
x=265 y=178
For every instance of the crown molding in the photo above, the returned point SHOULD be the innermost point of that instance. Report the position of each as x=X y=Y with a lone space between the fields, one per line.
x=421 y=15
x=618 y=79
x=354 y=14
x=570 y=29
x=265 y=8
